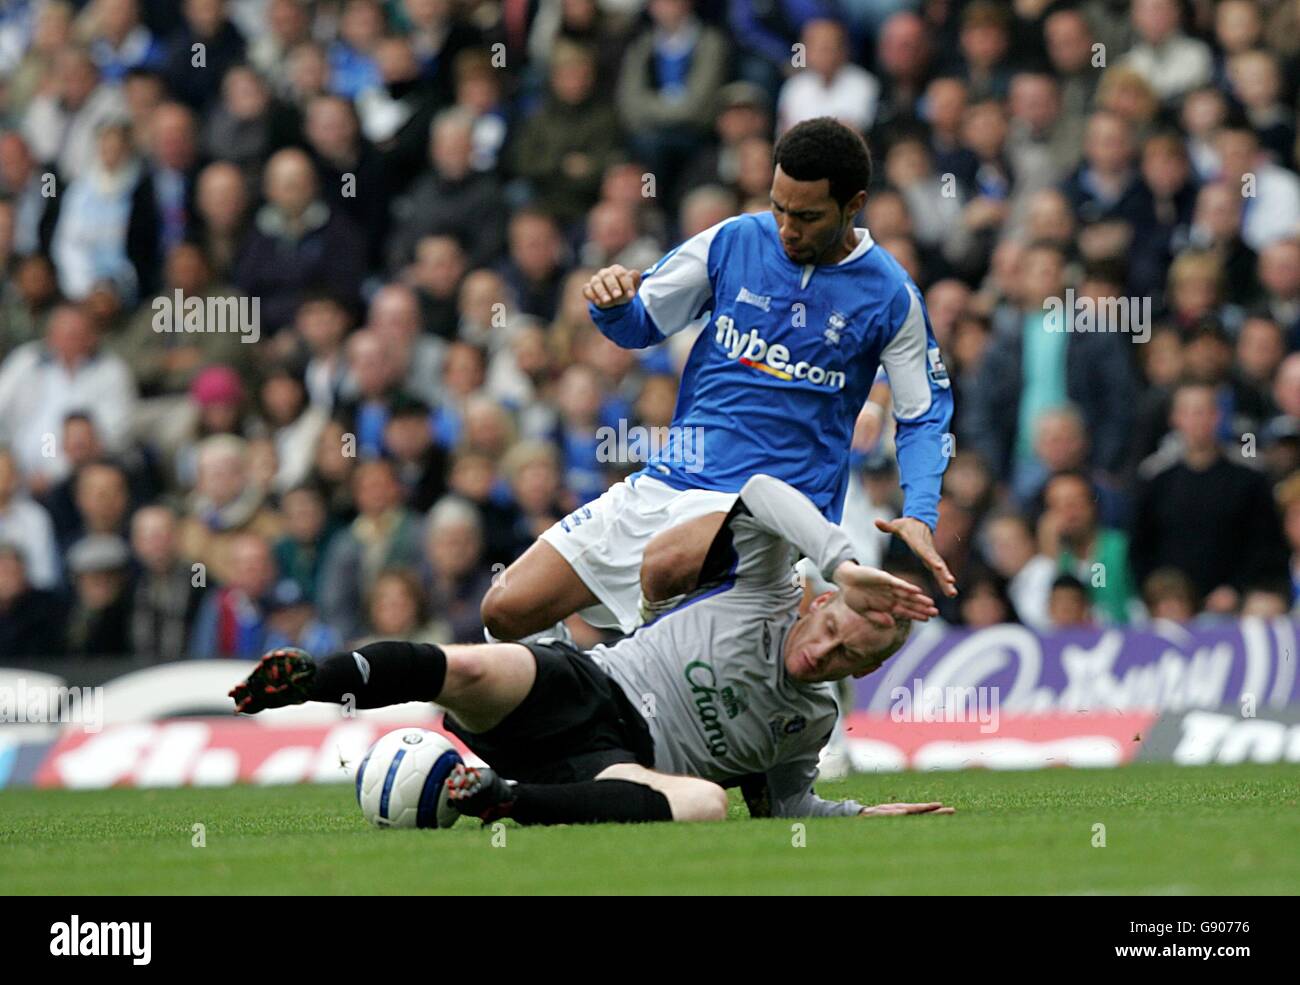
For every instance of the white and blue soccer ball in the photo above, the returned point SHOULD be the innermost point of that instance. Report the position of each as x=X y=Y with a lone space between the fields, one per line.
x=402 y=781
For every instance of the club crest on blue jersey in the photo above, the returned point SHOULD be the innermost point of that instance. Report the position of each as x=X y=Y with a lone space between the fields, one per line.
x=835 y=324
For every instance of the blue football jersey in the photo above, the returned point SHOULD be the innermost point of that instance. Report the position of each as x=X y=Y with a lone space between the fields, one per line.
x=786 y=358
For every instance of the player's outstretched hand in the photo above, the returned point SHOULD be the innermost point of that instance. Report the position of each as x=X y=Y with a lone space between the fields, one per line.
x=916 y=535
x=873 y=592
x=612 y=286
x=893 y=810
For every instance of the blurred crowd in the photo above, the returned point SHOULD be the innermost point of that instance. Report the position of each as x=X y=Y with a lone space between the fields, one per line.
x=396 y=203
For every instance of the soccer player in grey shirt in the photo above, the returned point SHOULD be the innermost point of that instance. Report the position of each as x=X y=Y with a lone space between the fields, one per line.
x=732 y=687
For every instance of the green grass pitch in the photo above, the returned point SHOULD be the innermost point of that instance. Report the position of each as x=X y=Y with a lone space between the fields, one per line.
x=1167 y=830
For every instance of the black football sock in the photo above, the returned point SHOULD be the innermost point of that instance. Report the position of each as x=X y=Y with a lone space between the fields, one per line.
x=379 y=674
x=588 y=803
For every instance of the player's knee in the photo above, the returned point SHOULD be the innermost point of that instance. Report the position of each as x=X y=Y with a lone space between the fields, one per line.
x=466 y=668
x=699 y=800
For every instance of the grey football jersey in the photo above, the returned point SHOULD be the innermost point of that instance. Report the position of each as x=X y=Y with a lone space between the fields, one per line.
x=709 y=677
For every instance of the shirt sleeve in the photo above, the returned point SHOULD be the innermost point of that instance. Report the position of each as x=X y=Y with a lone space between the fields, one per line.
x=673 y=293
x=787 y=514
x=922 y=405
x=790 y=792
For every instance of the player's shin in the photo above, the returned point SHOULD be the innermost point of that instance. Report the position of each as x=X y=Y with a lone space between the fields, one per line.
x=379 y=674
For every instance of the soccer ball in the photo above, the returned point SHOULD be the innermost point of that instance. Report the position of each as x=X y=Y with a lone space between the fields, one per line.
x=402 y=782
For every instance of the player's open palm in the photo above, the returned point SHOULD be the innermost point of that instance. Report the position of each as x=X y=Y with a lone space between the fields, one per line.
x=871 y=591
x=611 y=286
x=895 y=810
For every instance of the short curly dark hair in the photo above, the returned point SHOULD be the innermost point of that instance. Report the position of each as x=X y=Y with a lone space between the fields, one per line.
x=825 y=148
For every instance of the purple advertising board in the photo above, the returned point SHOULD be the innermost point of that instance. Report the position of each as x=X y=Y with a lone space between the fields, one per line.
x=1164 y=667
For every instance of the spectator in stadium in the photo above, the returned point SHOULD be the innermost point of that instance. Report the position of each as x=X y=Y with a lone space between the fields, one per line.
x=297 y=244
x=308 y=529
x=166 y=363
x=247 y=123
x=102 y=503
x=1259 y=352
x=374 y=375
x=225 y=506
x=1167 y=58
x=668 y=88
x=395 y=319
x=563 y=149
x=163 y=203
x=1067 y=606
x=62 y=125
x=120 y=41
x=828 y=83
x=397 y=610
x=292 y=621
x=765 y=35
x=535 y=267
x=1216 y=228
x=27 y=187
x=452 y=199
x=420 y=463
x=1257 y=84
x=350 y=171
x=221 y=200
x=220 y=46
x=384 y=534
x=1279 y=280
x=98 y=622
x=1028 y=369
x=31 y=619
x=984 y=39
x=435 y=275
x=42 y=382
x=1169 y=594
x=291 y=422
x=396 y=114
x=26 y=526
x=1069 y=531
x=1209 y=517
x=743 y=112
x=353 y=65
x=288 y=24
x=985 y=601
x=90 y=237
x=1105 y=191
x=456 y=575
x=30 y=64
x=232 y=618
x=533 y=470
x=612 y=237
x=165 y=598
x=1009 y=547
x=1270 y=193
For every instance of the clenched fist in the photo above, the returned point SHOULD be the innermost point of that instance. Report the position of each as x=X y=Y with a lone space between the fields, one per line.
x=611 y=286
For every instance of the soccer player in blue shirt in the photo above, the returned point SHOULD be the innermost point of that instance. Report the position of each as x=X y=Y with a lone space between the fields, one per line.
x=799 y=309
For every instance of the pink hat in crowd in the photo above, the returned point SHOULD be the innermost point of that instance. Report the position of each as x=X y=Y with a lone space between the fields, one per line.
x=216 y=385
